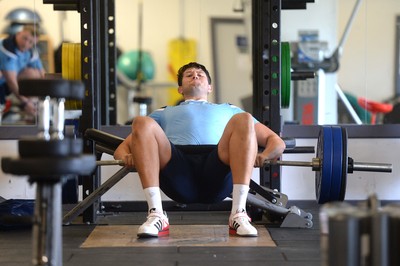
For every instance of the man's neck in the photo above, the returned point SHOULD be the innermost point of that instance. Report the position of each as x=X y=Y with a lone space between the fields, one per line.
x=193 y=98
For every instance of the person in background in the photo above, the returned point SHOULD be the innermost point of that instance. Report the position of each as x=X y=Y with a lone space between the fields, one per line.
x=19 y=60
x=197 y=152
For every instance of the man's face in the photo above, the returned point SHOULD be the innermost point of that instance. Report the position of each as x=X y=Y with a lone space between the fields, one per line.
x=195 y=83
x=25 y=40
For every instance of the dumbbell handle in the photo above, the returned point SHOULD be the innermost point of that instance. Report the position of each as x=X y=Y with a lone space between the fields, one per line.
x=315 y=164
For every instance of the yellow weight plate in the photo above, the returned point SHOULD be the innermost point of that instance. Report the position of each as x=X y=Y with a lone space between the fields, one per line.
x=77 y=61
x=71 y=69
x=78 y=69
x=64 y=60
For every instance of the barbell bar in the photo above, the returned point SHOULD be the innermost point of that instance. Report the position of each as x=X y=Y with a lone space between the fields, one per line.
x=315 y=164
x=110 y=162
x=331 y=164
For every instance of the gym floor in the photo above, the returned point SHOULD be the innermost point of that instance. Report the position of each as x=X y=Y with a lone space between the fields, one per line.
x=293 y=246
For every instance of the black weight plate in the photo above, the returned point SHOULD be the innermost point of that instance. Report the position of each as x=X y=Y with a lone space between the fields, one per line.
x=345 y=165
x=324 y=175
x=337 y=163
x=55 y=88
x=35 y=147
x=45 y=167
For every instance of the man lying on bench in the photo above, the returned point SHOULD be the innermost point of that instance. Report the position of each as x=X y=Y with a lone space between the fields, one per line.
x=197 y=152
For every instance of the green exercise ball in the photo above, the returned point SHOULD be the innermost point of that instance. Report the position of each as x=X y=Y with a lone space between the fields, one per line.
x=128 y=63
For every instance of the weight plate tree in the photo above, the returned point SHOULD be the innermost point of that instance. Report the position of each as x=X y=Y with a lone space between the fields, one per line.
x=48 y=159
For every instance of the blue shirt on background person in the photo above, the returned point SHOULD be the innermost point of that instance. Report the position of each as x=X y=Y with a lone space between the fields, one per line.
x=19 y=59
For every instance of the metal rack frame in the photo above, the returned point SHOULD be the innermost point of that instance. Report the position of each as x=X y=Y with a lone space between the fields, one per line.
x=98 y=74
x=266 y=75
x=397 y=62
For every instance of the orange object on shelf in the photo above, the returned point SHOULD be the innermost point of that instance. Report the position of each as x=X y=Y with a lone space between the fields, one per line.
x=374 y=107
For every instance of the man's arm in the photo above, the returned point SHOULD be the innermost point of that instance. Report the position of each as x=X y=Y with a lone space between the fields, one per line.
x=273 y=145
x=12 y=83
x=42 y=73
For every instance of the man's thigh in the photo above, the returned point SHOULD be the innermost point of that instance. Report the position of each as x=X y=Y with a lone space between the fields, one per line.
x=177 y=180
x=216 y=179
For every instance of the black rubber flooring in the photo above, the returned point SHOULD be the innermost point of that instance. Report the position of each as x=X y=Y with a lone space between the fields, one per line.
x=294 y=246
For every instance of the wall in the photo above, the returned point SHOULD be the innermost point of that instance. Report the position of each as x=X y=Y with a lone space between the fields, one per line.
x=13 y=187
x=368 y=60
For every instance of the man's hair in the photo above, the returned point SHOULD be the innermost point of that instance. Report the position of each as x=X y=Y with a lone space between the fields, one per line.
x=192 y=65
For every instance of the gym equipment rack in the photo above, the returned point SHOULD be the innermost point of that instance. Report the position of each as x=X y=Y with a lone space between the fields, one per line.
x=99 y=75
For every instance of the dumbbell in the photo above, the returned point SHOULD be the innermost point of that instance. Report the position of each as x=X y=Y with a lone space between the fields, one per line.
x=47 y=158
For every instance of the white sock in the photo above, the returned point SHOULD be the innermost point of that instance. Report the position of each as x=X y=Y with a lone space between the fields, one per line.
x=153 y=198
x=239 y=197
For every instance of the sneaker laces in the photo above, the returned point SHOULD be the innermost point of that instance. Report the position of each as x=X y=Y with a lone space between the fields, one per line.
x=240 y=215
x=154 y=215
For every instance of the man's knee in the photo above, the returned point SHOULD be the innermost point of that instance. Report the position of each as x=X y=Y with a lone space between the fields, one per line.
x=142 y=123
x=243 y=121
x=30 y=73
x=145 y=126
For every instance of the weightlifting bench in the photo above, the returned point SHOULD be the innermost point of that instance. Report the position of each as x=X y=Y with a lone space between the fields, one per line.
x=268 y=200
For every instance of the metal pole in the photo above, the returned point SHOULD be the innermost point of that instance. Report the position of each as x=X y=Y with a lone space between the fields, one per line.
x=47 y=231
x=372 y=167
x=95 y=195
x=316 y=164
x=348 y=105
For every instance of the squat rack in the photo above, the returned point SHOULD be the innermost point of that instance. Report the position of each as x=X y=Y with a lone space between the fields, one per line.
x=99 y=75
